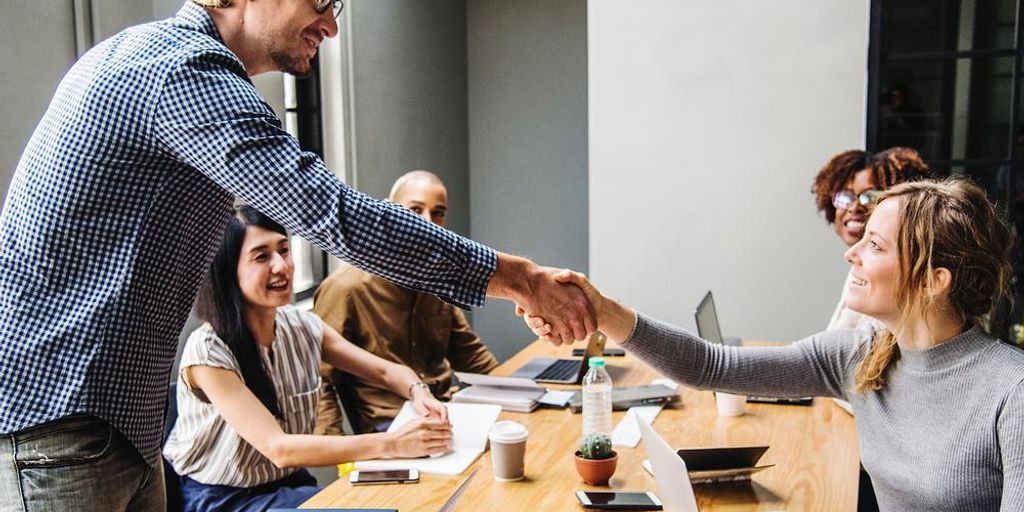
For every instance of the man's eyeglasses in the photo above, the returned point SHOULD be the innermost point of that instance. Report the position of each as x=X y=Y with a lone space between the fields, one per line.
x=845 y=199
x=322 y=6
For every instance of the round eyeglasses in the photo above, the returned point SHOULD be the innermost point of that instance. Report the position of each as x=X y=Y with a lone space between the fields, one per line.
x=845 y=199
x=321 y=6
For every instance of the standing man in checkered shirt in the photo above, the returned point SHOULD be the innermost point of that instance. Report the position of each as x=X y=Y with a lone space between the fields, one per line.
x=115 y=211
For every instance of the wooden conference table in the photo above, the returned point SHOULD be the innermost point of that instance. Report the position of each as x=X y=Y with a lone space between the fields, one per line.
x=814 y=450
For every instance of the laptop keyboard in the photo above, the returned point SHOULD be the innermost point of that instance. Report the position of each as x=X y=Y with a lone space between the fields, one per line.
x=562 y=369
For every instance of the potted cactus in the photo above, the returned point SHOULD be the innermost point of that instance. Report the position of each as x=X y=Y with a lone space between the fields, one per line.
x=595 y=460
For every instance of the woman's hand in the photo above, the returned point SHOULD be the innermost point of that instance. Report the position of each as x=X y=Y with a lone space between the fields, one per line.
x=426 y=405
x=614 y=319
x=420 y=437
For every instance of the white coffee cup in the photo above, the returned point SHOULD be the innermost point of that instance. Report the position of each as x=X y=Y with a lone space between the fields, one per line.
x=730 y=405
x=508 y=450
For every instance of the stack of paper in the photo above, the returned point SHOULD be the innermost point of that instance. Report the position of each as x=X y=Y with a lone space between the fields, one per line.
x=470 y=425
x=511 y=393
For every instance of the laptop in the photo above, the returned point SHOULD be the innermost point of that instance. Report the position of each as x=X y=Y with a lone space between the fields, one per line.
x=707 y=327
x=670 y=475
x=562 y=371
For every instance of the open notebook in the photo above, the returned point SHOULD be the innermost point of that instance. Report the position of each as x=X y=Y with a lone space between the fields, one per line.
x=470 y=425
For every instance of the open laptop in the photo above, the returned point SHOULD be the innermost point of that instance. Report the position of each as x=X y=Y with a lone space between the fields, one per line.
x=707 y=327
x=562 y=371
x=670 y=475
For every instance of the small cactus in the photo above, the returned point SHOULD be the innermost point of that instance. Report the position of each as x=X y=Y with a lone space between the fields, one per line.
x=596 y=446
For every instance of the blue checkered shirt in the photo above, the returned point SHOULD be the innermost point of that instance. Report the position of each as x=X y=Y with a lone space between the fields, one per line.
x=119 y=202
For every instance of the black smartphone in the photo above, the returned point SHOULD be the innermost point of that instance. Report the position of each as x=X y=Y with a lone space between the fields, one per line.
x=390 y=476
x=608 y=352
x=619 y=500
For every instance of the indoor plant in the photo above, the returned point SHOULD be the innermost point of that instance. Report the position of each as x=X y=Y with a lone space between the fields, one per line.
x=595 y=460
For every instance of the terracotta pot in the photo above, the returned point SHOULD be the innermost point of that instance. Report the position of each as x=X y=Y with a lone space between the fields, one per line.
x=596 y=472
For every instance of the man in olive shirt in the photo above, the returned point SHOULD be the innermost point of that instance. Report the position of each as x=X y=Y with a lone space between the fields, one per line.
x=411 y=328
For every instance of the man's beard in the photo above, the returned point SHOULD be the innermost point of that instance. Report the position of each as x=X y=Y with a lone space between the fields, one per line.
x=291 y=65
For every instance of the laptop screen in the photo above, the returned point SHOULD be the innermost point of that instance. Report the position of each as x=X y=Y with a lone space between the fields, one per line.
x=707 y=320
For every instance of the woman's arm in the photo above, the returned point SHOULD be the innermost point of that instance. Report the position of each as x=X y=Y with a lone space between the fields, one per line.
x=811 y=367
x=246 y=414
x=401 y=380
x=1011 y=448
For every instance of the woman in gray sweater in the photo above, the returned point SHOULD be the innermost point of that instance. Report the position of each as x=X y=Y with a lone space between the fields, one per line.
x=939 y=404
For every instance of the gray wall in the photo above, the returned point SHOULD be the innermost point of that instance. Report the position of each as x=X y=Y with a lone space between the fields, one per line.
x=35 y=56
x=30 y=71
x=408 y=96
x=708 y=122
x=527 y=141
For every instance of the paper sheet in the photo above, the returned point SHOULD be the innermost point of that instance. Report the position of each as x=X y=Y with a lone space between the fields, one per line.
x=470 y=426
x=627 y=432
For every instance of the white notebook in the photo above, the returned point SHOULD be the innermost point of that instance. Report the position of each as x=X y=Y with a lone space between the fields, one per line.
x=470 y=426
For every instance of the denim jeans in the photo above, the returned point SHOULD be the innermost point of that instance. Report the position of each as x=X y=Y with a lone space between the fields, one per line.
x=76 y=463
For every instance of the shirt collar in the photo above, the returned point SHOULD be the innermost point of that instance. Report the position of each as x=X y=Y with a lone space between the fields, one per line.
x=948 y=353
x=196 y=16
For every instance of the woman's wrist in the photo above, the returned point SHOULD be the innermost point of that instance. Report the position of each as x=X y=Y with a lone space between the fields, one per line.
x=420 y=385
x=616 y=320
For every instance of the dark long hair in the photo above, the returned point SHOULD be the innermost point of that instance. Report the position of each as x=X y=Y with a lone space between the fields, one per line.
x=220 y=303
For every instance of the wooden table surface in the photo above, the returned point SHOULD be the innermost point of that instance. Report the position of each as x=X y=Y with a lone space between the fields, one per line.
x=814 y=450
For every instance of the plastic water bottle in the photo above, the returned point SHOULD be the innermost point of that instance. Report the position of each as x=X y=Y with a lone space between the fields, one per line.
x=597 y=398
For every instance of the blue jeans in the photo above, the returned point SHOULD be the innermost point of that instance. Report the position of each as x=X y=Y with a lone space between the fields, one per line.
x=76 y=463
x=290 y=491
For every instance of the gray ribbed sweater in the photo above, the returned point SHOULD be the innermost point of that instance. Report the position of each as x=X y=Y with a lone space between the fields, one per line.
x=946 y=433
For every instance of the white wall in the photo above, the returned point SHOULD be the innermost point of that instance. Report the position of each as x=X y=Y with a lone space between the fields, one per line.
x=708 y=122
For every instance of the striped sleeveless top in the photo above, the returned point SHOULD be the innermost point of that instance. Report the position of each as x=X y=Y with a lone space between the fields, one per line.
x=203 y=446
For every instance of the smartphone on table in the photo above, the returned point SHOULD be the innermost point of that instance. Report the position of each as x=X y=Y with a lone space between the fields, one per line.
x=387 y=476
x=619 y=500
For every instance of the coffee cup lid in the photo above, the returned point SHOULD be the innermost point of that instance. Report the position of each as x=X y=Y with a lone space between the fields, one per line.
x=508 y=432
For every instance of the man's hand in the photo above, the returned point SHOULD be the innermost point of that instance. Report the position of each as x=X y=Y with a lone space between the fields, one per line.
x=426 y=405
x=614 y=319
x=536 y=292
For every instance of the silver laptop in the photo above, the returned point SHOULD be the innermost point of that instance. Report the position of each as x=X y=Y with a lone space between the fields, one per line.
x=563 y=371
x=707 y=322
x=707 y=327
x=669 y=469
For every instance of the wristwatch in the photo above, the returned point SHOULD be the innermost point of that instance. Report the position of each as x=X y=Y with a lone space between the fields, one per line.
x=419 y=384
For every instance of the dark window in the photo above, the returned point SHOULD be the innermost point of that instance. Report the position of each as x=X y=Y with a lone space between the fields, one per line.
x=305 y=114
x=944 y=77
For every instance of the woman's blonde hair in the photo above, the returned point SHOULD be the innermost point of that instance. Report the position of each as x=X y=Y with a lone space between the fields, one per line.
x=941 y=224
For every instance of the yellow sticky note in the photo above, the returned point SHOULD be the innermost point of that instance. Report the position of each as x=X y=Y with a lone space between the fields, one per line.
x=345 y=469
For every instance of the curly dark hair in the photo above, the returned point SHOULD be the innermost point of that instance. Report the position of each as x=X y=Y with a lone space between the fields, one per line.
x=890 y=167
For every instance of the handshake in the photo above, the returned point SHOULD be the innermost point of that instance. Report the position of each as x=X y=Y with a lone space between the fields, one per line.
x=560 y=306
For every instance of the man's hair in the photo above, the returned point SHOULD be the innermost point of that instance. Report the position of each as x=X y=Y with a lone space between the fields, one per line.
x=941 y=224
x=216 y=4
x=221 y=304
x=888 y=168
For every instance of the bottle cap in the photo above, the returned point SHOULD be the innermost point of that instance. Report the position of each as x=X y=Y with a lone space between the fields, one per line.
x=596 y=362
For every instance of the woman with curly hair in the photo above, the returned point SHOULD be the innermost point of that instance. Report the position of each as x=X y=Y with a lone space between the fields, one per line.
x=843 y=190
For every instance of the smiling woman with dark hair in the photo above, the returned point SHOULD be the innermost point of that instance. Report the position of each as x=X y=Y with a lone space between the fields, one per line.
x=939 y=403
x=249 y=385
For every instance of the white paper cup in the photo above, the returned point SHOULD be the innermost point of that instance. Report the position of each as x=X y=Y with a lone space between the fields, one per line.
x=730 y=405
x=508 y=450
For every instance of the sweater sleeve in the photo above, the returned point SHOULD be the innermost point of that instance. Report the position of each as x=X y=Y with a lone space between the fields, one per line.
x=820 y=365
x=1011 y=449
